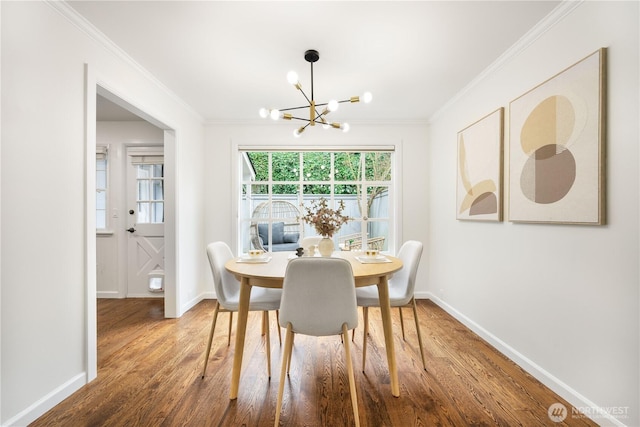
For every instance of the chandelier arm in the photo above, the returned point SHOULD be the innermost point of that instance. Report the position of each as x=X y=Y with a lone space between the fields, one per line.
x=305 y=95
x=306 y=106
x=293 y=108
x=300 y=118
x=319 y=115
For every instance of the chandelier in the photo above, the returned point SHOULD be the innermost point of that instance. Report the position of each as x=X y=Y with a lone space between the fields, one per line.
x=317 y=114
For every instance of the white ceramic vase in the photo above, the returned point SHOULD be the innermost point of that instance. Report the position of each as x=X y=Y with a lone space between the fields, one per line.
x=325 y=246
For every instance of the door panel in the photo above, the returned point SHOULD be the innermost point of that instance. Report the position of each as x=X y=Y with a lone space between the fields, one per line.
x=145 y=204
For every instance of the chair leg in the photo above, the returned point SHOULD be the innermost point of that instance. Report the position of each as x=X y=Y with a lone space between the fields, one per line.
x=278 y=326
x=293 y=338
x=265 y=320
x=286 y=357
x=352 y=380
x=213 y=327
x=415 y=316
x=230 y=325
x=401 y=321
x=365 y=319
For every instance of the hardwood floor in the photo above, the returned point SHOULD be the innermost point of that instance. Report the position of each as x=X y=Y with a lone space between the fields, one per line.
x=149 y=374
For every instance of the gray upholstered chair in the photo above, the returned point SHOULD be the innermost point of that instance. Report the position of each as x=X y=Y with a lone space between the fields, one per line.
x=228 y=298
x=318 y=299
x=285 y=226
x=401 y=288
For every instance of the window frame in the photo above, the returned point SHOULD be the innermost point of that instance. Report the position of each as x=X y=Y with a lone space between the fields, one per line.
x=102 y=153
x=149 y=182
x=243 y=218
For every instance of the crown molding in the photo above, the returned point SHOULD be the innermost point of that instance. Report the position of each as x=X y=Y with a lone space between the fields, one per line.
x=99 y=37
x=556 y=15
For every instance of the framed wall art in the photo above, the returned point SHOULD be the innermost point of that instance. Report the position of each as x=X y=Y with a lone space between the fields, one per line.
x=556 y=147
x=479 y=183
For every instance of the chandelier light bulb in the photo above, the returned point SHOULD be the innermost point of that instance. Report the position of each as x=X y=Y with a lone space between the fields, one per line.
x=332 y=105
x=275 y=114
x=298 y=132
x=345 y=127
x=292 y=77
x=264 y=113
x=367 y=97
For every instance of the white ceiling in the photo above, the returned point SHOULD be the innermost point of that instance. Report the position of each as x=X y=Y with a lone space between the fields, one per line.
x=227 y=59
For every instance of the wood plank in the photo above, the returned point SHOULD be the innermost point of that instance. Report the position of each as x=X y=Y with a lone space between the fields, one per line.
x=149 y=375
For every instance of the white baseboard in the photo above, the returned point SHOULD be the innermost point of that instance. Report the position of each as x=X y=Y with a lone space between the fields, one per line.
x=563 y=390
x=108 y=294
x=47 y=402
x=190 y=304
x=147 y=295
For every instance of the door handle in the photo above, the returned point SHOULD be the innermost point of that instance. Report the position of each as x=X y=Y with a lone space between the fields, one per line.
x=131 y=230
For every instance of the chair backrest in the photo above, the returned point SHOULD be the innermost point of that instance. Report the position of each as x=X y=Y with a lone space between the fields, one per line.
x=225 y=283
x=405 y=279
x=318 y=296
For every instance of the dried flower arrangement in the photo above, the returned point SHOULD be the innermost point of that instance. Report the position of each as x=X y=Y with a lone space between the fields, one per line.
x=326 y=221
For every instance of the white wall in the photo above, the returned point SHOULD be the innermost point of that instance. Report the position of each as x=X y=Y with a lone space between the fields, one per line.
x=562 y=300
x=111 y=245
x=44 y=284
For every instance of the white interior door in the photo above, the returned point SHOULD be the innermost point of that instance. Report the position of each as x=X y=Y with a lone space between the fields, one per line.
x=145 y=224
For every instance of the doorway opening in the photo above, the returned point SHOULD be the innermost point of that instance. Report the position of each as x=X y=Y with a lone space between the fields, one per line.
x=117 y=217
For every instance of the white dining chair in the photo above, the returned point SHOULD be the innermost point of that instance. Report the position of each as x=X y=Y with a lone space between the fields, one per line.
x=401 y=294
x=227 y=289
x=318 y=299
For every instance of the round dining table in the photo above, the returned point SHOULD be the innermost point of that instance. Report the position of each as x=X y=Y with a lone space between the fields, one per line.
x=269 y=272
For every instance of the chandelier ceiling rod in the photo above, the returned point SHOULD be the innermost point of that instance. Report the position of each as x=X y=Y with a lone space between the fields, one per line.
x=310 y=57
x=315 y=116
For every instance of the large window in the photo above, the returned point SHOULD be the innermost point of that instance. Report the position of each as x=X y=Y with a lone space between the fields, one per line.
x=277 y=185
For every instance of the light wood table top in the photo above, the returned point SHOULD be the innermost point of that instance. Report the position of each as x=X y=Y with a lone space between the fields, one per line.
x=271 y=275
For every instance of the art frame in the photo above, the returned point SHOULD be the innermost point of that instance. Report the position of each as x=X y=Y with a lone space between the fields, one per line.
x=479 y=195
x=557 y=147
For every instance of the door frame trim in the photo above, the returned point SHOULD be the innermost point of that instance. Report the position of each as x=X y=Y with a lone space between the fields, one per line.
x=94 y=85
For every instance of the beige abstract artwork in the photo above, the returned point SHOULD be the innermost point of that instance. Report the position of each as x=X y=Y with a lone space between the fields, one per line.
x=556 y=147
x=479 y=184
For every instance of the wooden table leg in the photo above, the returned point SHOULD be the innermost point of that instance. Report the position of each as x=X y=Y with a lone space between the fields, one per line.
x=385 y=311
x=241 y=329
